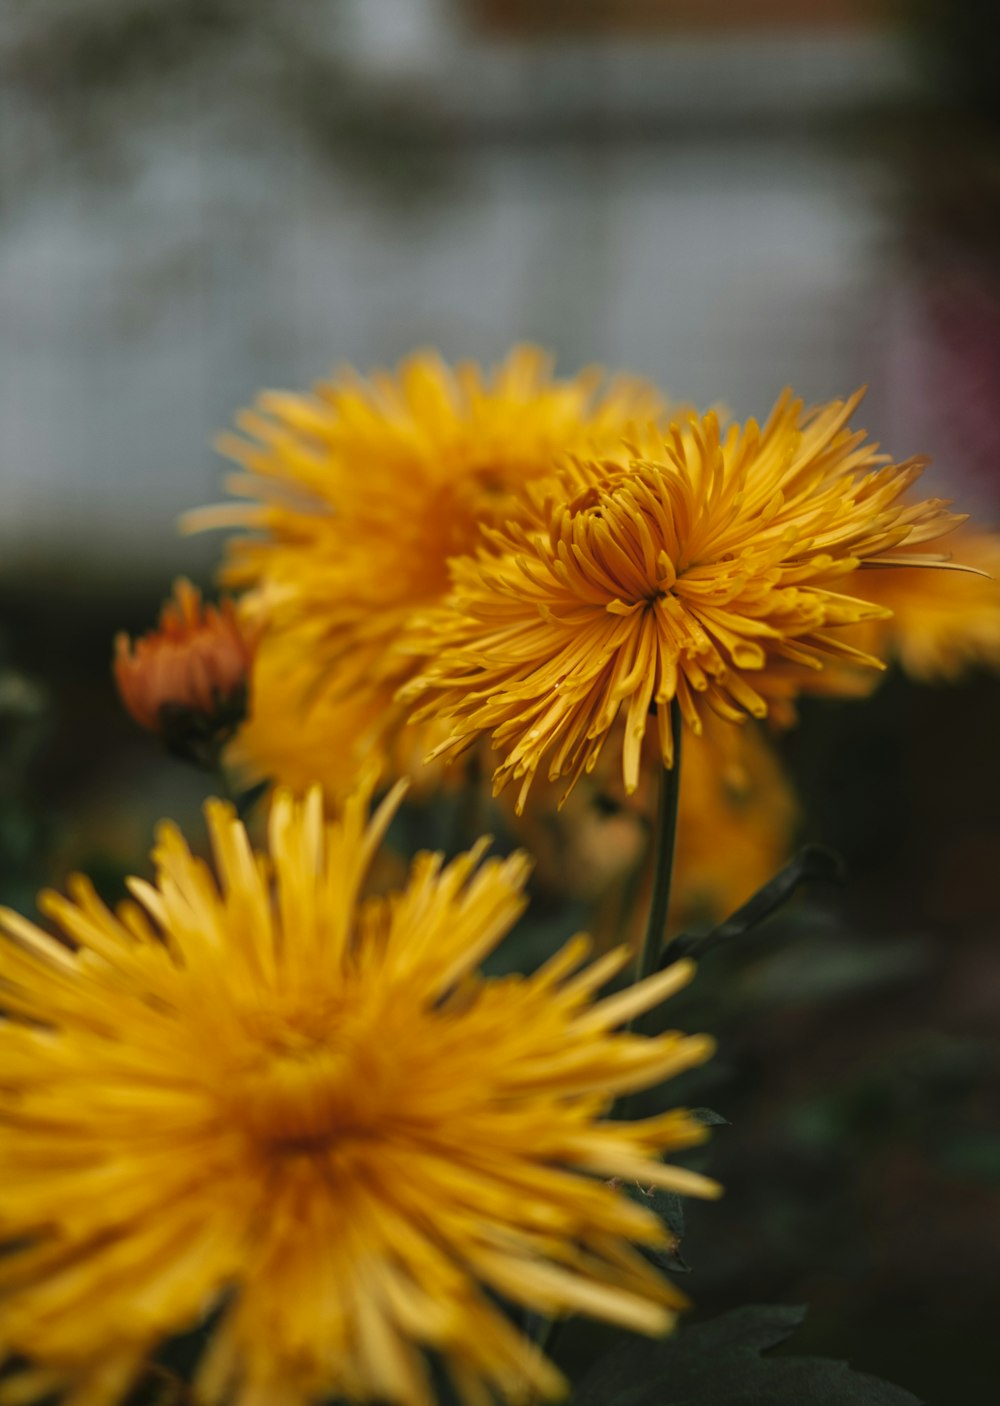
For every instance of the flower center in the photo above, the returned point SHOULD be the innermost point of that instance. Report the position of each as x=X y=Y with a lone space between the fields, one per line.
x=307 y=1081
x=477 y=492
x=491 y=478
x=588 y=500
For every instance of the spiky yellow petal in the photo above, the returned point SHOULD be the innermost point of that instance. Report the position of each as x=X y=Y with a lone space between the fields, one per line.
x=944 y=623
x=273 y=1099
x=686 y=573
x=361 y=493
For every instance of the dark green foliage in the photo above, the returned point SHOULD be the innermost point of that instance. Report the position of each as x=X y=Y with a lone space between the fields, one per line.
x=812 y=863
x=24 y=834
x=709 y=1118
x=192 y=734
x=670 y=1209
x=723 y=1363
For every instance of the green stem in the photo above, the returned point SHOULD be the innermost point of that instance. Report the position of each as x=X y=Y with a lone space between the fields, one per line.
x=467 y=820
x=664 y=841
x=546 y=1335
x=652 y=945
x=544 y=1339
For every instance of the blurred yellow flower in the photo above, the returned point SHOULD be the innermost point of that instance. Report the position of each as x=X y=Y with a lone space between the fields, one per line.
x=783 y=683
x=739 y=814
x=943 y=623
x=736 y=826
x=364 y=491
x=261 y=1096
x=327 y=739
x=682 y=576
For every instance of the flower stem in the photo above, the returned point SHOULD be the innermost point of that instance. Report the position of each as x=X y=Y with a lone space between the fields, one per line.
x=663 y=840
x=467 y=821
x=546 y=1335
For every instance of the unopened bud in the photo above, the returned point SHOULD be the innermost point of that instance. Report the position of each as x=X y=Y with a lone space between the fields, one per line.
x=187 y=680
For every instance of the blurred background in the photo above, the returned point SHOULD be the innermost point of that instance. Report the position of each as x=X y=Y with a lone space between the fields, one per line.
x=202 y=198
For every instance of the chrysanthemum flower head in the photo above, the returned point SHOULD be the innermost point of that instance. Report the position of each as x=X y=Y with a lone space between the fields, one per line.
x=187 y=679
x=682 y=574
x=327 y=738
x=937 y=625
x=943 y=623
x=362 y=493
x=262 y=1097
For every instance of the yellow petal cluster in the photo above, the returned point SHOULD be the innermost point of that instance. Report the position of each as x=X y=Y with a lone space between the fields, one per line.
x=255 y=1095
x=736 y=824
x=937 y=625
x=328 y=737
x=687 y=572
x=943 y=623
x=362 y=492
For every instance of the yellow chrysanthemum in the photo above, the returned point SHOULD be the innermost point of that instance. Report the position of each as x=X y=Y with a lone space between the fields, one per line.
x=365 y=491
x=783 y=684
x=943 y=623
x=683 y=575
x=327 y=739
x=308 y=1113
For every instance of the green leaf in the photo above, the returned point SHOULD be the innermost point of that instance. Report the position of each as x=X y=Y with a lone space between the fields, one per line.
x=670 y=1209
x=720 y=1363
x=812 y=863
x=709 y=1118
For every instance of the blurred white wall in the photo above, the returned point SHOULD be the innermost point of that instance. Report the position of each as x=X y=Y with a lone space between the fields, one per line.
x=705 y=233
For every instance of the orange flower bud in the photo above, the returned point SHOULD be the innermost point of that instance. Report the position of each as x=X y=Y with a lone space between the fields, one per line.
x=187 y=680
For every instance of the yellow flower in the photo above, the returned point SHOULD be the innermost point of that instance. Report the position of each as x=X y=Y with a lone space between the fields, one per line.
x=325 y=740
x=681 y=575
x=265 y=1097
x=736 y=823
x=363 y=492
x=938 y=625
x=943 y=623
x=738 y=815
x=784 y=683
